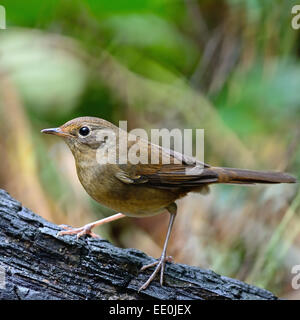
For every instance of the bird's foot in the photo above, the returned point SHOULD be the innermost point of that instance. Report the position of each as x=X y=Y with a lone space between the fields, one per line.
x=160 y=266
x=87 y=229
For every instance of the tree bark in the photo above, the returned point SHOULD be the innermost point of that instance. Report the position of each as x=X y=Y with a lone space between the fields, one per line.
x=37 y=264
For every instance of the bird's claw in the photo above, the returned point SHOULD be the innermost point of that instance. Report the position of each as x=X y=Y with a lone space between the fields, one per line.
x=87 y=229
x=160 y=266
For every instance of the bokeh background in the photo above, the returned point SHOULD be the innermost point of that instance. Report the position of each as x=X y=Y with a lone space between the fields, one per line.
x=230 y=67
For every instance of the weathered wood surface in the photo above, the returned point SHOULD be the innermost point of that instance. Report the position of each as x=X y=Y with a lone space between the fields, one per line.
x=40 y=265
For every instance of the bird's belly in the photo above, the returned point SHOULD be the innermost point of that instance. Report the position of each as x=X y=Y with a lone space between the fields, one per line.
x=136 y=202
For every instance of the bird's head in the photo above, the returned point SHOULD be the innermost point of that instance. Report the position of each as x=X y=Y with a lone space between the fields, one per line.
x=84 y=135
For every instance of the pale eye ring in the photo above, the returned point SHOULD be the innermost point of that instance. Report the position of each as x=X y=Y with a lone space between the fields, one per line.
x=84 y=131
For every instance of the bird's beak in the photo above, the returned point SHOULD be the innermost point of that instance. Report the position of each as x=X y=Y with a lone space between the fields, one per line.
x=56 y=131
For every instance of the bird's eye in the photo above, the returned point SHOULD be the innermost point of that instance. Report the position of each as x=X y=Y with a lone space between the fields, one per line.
x=84 y=131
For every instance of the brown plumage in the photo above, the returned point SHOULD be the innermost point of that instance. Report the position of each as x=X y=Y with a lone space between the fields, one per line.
x=147 y=189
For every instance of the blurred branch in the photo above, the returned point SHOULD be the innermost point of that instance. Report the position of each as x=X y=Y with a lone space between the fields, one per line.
x=229 y=54
x=206 y=59
x=197 y=19
x=20 y=172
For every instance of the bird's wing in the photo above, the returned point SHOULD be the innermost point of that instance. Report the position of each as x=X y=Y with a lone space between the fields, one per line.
x=173 y=170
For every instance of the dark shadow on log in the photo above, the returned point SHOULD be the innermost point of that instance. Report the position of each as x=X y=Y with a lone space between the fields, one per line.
x=40 y=265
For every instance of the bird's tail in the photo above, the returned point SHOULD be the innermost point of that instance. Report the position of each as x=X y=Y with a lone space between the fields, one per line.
x=243 y=176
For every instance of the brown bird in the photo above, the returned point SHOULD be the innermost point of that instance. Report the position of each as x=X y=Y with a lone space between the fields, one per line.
x=141 y=189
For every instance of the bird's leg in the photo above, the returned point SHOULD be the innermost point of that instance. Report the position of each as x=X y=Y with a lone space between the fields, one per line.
x=160 y=264
x=87 y=229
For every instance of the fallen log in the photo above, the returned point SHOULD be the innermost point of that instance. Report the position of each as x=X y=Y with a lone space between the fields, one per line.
x=37 y=264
